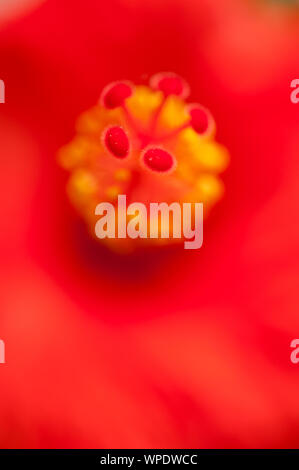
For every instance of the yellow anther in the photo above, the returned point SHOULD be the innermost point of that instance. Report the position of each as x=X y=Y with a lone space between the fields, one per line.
x=112 y=191
x=79 y=152
x=92 y=121
x=82 y=188
x=210 y=188
x=83 y=181
x=212 y=156
x=205 y=154
x=143 y=103
x=122 y=174
x=174 y=113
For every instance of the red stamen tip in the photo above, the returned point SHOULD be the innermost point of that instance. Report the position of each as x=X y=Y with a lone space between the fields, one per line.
x=117 y=142
x=170 y=84
x=201 y=120
x=157 y=159
x=115 y=94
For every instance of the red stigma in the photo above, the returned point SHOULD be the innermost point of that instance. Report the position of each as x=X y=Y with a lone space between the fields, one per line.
x=115 y=94
x=170 y=84
x=200 y=120
x=117 y=142
x=157 y=159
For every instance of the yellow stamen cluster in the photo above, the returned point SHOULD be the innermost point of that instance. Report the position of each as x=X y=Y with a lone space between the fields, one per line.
x=96 y=176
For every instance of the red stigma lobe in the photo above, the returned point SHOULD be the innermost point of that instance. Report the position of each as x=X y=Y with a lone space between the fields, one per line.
x=157 y=159
x=117 y=142
x=200 y=120
x=170 y=84
x=114 y=95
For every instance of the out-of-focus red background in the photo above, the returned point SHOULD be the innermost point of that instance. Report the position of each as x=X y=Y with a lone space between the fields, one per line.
x=181 y=349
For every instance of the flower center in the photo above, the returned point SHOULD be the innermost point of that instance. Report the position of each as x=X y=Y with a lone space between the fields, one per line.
x=146 y=143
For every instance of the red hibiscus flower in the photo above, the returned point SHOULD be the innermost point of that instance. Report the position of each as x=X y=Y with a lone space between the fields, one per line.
x=171 y=348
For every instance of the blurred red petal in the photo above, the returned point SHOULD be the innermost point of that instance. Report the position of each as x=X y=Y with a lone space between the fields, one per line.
x=81 y=360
